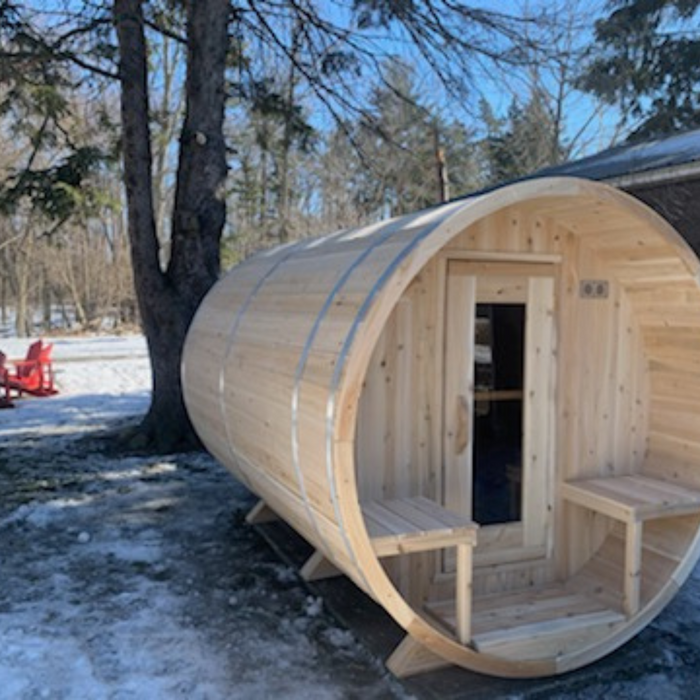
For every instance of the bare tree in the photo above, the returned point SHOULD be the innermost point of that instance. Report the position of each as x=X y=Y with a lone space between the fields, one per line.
x=168 y=298
x=547 y=82
x=327 y=51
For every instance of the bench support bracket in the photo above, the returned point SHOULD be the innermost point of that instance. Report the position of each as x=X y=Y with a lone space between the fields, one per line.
x=411 y=657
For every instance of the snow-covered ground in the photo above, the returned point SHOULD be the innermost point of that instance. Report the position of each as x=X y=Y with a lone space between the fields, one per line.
x=132 y=577
x=125 y=577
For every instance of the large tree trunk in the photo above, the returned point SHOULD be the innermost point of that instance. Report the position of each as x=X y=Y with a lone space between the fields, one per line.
x=167 y=300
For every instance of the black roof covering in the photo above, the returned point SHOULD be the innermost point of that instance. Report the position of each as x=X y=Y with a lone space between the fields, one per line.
x=666 y=152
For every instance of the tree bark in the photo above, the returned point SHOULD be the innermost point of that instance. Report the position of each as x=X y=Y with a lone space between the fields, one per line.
x=168 y=300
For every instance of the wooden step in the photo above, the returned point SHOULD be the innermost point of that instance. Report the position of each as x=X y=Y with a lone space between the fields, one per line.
x=534 y=623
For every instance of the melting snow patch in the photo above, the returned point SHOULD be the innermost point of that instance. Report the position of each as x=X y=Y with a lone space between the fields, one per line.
x=313 y=606
x=139 y=471
x=43 y=514
x=341 y=639
x=285 y=574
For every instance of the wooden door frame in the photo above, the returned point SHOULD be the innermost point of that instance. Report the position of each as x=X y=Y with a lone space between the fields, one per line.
x=532 y=537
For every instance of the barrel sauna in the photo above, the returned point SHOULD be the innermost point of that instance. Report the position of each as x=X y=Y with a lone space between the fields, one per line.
x=486 y=414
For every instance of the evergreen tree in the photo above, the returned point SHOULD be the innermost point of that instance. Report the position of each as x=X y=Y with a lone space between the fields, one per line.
x=523 y=142
x=409 y=156
x=647 y=59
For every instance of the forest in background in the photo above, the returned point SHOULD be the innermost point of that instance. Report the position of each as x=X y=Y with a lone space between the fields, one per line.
x=304 y=157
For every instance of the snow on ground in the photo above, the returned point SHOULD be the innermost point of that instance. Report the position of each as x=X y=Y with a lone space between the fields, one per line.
x=101 y=379
x=129 y=578
x=133 y=577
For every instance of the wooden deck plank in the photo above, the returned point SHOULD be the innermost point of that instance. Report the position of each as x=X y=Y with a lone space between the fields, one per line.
x=546 y=617
x=383 y=523
x=415 y=523
x=422 y=522
x=552 y=627
x=447 y=516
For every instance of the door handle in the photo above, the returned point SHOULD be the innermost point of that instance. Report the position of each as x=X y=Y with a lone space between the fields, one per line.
x=463 y=424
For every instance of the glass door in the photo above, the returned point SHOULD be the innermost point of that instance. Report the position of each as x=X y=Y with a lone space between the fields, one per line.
x=498 y=402
x=497 y=450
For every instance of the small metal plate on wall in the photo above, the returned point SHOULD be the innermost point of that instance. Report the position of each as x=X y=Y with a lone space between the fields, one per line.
x=594 y=289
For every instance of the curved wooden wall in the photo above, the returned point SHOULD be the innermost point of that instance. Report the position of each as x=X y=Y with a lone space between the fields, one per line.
x=277 y=357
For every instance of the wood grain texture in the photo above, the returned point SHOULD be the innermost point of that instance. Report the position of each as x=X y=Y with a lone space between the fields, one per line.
x=338 y=371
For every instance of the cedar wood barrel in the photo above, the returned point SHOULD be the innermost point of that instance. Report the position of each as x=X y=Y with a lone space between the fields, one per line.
x=341 y=371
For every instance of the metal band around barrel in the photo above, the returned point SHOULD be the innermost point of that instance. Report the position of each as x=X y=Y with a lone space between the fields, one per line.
x=390 y=229
x=234 y=329
x=291 y=250
x=342 y=356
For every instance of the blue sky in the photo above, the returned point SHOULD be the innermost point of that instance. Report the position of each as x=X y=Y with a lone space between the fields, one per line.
x=588 y=124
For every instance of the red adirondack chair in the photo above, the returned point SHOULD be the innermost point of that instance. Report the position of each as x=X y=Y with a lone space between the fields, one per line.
x=33 y=375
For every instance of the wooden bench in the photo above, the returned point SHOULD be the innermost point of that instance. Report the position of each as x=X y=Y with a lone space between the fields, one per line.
x=405 y=526
x=408 y=525
x=632 y=500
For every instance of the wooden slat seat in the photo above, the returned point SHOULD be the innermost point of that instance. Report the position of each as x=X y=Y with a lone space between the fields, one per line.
x=407 y=525
x=632 y=500
x=633 y=497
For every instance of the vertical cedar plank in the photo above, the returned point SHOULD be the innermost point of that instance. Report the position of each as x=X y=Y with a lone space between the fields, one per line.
x=459 y=392
x=539 y=412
